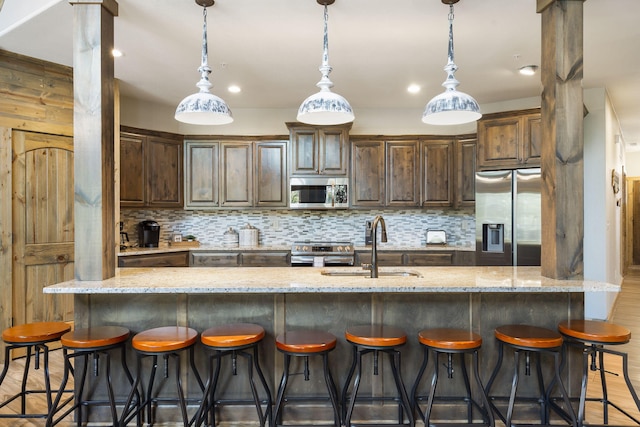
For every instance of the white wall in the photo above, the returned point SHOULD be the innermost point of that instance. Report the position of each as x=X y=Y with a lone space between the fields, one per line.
x=272 y=121
x=632 y=164
x=602 y=217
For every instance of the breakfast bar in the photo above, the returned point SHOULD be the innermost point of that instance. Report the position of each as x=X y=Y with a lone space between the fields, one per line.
x=474 y=298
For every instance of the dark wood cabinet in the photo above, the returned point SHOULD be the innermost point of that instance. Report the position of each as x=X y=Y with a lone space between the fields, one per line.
x=168 y=259
x=231 y=174
x=151 y=169
x=402 y=166
x=270 y=173
x=465 y=170
x=509 y=140
x=202 y=174
x=434 y=258
x=236 y=180
x=319 y=150
x=367 y=174
x=437 y=172
x=240 y=258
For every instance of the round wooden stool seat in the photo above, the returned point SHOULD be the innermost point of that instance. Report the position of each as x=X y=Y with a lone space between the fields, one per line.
x=163 y=339
x=95 y=337
x=232 y=335
x=450 y=339
x=306 y=341
x=376 y=335
x=35 y=332
x=596 y=331
x=528 y=336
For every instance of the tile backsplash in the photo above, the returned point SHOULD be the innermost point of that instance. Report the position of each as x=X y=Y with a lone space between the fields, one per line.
x=282 y=227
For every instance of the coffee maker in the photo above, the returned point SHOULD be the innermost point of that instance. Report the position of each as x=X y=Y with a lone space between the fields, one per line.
x=148 y=234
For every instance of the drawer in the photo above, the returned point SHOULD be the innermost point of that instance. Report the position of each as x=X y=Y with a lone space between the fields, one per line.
x=215 y=259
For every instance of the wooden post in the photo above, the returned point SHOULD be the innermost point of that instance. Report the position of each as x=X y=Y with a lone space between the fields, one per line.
x=93 y=82
x=563 y=139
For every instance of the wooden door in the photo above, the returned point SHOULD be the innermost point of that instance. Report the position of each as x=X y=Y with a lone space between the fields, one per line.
x=402 y=188
x=164 y=172
x=465 y=170
x=333 y=152
x=304 y=152
x=202 y=174
x=437 y=173
x=271 y=173
x=367 y=180
x=43 y=232
x=237 y=174
x=132 y=171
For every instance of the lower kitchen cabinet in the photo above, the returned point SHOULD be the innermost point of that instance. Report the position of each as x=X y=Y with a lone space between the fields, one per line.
x=241 y=259
x=169 y=259
x=418 y=258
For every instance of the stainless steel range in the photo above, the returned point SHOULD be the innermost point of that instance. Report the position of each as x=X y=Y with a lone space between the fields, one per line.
x=313 y=253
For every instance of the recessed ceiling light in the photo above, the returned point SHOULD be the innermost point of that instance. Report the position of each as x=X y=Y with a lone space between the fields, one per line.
x=234 y=89
x=413 y=88
x=528 y=70
x=116 y=53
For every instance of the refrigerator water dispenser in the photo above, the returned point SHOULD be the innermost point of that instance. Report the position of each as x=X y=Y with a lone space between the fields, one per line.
x=493 y=237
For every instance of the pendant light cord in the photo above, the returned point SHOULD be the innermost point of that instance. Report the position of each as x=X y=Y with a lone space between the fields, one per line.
x=325 y=83
x=204 y=84
x=450 y=83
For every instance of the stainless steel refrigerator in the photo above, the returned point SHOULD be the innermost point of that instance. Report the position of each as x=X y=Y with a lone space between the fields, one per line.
x=508 y=220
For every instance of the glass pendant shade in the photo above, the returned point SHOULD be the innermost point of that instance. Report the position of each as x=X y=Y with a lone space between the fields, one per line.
x=325 y=107
x=451 y=107
x=204 y=108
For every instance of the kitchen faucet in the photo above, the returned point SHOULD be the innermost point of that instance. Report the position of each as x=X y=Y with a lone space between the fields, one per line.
x=374 y=245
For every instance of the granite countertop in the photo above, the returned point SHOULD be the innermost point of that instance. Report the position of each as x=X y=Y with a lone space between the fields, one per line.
x=205 y=280
x=204 y=248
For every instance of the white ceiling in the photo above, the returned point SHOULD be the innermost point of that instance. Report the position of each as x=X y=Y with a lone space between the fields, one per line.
x=272 y=49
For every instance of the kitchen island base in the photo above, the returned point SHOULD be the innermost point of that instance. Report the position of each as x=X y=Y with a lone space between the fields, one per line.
x=480 y=312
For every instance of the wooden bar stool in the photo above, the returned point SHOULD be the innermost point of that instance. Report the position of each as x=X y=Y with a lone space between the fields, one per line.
x=32 y=337
x=530 y=340
x=84 y=343
x=305 y=343
x=447 y=341
x=592 y=337
x=374 y=339
x=168 y=342
x=237 y=339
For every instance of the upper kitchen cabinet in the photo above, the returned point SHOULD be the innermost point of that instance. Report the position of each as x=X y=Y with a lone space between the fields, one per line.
x=384 y=173
x=151 y=171
x=271 y=173
x=402 y=166
x=319 y=150
x=509 y=140
x=437 y=172
x=465 y=170
x=231 y=174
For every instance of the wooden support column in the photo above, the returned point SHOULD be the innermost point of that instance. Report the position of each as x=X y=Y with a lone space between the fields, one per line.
x=93 y=83
x=563 y=139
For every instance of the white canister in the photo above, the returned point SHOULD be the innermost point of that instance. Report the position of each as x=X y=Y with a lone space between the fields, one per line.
x=248 y=236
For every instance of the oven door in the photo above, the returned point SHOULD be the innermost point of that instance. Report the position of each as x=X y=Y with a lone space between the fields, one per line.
x=318 y=193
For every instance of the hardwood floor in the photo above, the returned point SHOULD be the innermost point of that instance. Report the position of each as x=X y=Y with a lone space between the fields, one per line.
x=626 y=313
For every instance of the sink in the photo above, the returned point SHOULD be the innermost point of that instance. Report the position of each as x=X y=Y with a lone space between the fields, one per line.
x=366 y=273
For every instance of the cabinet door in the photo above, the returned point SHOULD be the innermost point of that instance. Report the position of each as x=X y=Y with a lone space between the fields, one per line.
x=532 y=140
x=304 y=152
x=367 y=179
x=437 y=173
x=430 y=259
x=132 y=170
x=499 y=143
x=333 y=152
x=385 y=259
x=271 y=173
x=402 y=173
x=164 y=172
x=266 y=259
x=173 y=259
x=202 y=174
x=237 y=174
x=465 y=194
x=215 y=259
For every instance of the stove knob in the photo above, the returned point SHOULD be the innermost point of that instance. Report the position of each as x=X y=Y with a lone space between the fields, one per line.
x=339 y=248
x=347 y=249
x=305 y=249
x=296 y=248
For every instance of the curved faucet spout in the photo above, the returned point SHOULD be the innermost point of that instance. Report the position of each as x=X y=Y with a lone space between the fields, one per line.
x=374 y=243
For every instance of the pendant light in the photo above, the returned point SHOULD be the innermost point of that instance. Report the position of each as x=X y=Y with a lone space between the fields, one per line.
x=451 y=107
x=204 y=108
x=325 y=107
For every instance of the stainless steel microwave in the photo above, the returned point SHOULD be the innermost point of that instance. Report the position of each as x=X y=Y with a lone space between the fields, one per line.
x=318 y=193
